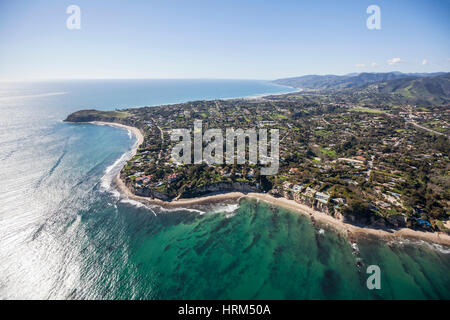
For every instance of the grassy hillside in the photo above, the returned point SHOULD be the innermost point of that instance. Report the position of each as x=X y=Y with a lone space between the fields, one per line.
x=349 y=81
x=429 y=90
x=95 y=115
x=377 y=88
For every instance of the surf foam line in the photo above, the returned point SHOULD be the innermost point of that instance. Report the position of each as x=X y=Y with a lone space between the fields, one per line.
x=137 y=204
x=163 y=209
x=433 y=246
x=229 y=210
x=112 y=170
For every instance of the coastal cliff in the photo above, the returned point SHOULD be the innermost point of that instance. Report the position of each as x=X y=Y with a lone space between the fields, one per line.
x=349 y=189
x=95 y=115
x=210 y=189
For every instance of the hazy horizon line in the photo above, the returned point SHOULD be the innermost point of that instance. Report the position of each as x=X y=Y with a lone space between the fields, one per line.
x=206 y=78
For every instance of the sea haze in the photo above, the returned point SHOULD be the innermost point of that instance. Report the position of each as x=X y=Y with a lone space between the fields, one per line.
x=66 y=234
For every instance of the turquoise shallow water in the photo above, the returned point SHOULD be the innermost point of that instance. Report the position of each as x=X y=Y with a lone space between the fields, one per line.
x=65 y=233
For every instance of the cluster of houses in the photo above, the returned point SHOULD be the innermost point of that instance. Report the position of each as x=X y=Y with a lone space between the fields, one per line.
x=141 y=180
x=174 y=177
x=306 y=195
x=358 y=146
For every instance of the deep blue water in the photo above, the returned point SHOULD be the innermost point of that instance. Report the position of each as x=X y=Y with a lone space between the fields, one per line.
x=65 y=233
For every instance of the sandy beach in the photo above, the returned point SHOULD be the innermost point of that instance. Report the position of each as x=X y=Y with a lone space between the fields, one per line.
x=137 y=133
x=350 y=230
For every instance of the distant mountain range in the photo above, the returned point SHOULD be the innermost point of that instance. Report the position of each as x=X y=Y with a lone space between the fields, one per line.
x=415 y=88
x=352 y=80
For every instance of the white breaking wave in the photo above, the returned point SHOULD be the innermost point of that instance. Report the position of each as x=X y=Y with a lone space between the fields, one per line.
x=137 y=204
x=230 y=210
x=115 y=193
x=111 y=171
x=118 y=162
x=180 y=209
x=433 y=246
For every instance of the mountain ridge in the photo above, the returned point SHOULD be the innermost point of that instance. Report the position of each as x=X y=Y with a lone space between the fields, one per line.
x=351 y=80
x=391 y=87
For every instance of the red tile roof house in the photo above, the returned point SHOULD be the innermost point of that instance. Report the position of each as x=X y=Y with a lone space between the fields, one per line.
x=144 y=179
x=173 y=177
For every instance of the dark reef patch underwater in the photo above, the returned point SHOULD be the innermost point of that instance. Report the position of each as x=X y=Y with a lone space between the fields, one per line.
x=259 y=252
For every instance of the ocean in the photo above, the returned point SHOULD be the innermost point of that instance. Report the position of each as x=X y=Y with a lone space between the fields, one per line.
x=65 y=233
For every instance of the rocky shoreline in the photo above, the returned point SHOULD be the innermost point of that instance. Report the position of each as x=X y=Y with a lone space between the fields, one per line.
x=352 y=231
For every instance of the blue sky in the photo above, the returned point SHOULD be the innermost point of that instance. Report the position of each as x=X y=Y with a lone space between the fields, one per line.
x=220 y=39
